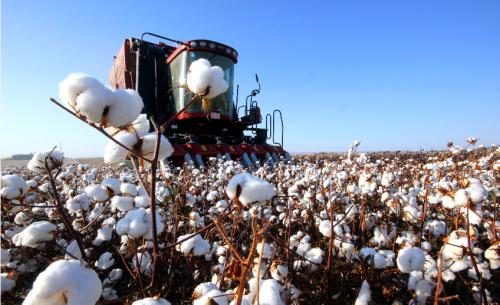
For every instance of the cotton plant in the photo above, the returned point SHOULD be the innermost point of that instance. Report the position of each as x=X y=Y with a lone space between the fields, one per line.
x=41 y=162
x=65 y=282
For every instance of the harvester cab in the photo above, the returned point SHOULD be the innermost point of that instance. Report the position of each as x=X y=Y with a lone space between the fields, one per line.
x=158 y=72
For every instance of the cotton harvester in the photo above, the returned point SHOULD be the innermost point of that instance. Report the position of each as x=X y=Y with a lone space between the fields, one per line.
x=225 y=130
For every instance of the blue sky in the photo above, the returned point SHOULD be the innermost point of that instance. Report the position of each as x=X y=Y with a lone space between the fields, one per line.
x=393 y=74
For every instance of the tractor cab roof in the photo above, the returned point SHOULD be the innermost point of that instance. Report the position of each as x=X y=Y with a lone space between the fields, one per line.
x=207 y=46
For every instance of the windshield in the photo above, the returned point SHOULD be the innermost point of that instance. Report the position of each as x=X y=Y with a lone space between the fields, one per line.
x=179 y=67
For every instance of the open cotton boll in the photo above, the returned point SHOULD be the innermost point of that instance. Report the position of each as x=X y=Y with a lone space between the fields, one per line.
x=213 y=296
x=151 y=301
x=410 y=259
x=423 y=290
x=141 y=125
x=78 y=203
x=13 y=187
x=112 y=184
x=203 y=289
x=103 y=234
x=199 y=76
x=324 y=228
x=364 y=295
x=5 y=257
x=122 y=203
x=149 y=144
x=279 y=271
x=218 y=84
x=268 y=250
x=196 y=245
x=137 y=223
x=97 y=193
x=65 y=282
x=448 y=202
x=37 y=163
x=249 y=189
x=125 y=109
x=94 y=103
x=35 y=234
x=73 y=85
x=105 y=261
x=461 y=198
x=477 y=192
x=115 y=153
x=270 y=293
x=493 y=255
x=129 y=189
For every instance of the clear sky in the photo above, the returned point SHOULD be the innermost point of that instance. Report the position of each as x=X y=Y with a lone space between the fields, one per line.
x=393 y=74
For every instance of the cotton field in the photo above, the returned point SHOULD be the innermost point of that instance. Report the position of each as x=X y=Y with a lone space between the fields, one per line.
x=351 y=228
x=378 y=228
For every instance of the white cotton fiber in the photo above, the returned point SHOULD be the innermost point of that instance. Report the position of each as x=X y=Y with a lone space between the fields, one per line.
x=270 y=293
x=94 y=102
x=13 y=187
x=126 y=107
x=112 y=184
x=65 y=282
x=137 y=223
x=77 y=203
x=410 y=259
x=149 y=144
x=364 y=295
x=122 y=203
x=252 y=189
x=195 y=245
x=37 y=163
x=141 y=125
x=199 y=76
x=218 y=84
x=97 y=192
x=73 y=85
x=205 y=80
x=35 y=234
x=115 y=153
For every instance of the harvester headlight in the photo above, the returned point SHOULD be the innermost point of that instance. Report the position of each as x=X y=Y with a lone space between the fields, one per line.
x=212 y=45
x=193 y=44
x=203 y=44
x=228 y=51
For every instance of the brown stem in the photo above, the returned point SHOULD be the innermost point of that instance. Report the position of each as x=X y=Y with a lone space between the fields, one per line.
x=60 y=209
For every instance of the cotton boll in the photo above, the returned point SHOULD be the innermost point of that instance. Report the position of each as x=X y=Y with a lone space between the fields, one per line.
x=109 y=293
x=35 y=234
x=13 y=187
x=137 y=223
x=141 y=201
x=218 y=84
x=493 y=255
x=23 y=219
x=448 y=202
x=37 y=163
x=423 y=290
x=94 y=103
x=78 y=203
x=149 y=145
x=202 y=289
x=65 y=282
x=5 y=257
x=141 y=125
x=461 y=198
x=73 y=251
x=364 y=295
x=415 y=277
x=122 y=203
x=97 y=193
x=115 y=153
x=73 y=85
x=268 y=250
x=410 y=259
x=270 y=293
x=129 y=189
x=279 y=271
x=476 y=191
x=112 y=184
x=249 y=189
x=195 y=245
x=199 y=76
x=126 y=107
x=105 y=261
x=324 y=228
x=103 y=234
x=151 y=301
